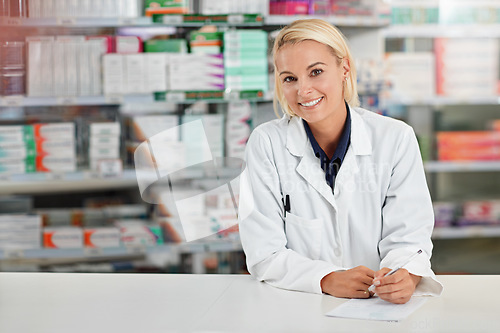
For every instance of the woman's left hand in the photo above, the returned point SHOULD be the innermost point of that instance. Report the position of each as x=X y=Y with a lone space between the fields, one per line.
x=396 y=288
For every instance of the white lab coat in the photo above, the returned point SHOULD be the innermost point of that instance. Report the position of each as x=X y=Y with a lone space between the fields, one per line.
x=379 y=213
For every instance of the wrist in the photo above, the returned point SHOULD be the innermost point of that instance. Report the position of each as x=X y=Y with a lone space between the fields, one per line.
x=324 y=281
x=416 y=279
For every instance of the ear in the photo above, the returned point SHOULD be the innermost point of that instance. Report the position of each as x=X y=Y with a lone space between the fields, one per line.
x=346 y=66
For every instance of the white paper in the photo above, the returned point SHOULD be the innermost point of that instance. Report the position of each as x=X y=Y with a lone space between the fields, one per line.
x=376 y=309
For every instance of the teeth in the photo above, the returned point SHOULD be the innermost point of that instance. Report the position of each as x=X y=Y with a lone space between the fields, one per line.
x=312 y=103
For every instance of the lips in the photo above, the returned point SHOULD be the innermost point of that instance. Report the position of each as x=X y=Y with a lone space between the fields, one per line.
x=311 y=103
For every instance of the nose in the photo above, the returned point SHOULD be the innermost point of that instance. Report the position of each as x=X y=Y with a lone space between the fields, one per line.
x=305 y=87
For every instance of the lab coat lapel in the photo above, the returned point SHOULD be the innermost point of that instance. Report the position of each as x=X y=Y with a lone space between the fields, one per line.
x=298 y=144
x=345 y=182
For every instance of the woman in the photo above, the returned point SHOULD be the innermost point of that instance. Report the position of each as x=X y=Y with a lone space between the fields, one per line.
x=334 y=196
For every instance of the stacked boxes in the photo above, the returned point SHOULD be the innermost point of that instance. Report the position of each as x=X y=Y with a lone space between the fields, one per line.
x=445 y=213
x=55 y=147
x=239 y=115
x=39 y=147
x=64 y=66
x=101 y=237
x=206 y=42
x=353 y=7
x=139 y=233
x=199 y=214
x=280 y=7
x=166 y=7
x=319 y=7
x=455 y=76
x=417 y=66
x=88 y=8
x=323 y=7
x=20 y=231
x=12 y=69
x=205 y=7
x=415 y=12
x=471 y=12
x=468 y=146
x=62 y=238
x=17 y=149
x=245 y=60
x=174 y=45
x=104 y=143
x=217 y=7
x=195 y=72
x=480 y=212
x=18 y=8
x=142 y=128
x=134 y=73
x=124 y=233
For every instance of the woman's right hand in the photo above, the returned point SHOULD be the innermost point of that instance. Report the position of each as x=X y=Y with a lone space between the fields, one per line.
x=353 y=283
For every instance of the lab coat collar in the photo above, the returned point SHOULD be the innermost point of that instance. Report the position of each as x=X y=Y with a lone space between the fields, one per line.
x=297 y=141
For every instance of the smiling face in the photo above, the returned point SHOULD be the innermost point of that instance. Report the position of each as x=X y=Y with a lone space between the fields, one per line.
x=312 y=80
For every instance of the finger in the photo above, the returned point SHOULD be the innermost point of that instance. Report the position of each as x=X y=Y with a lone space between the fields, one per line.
x=396 y=297
x=365 y=270
x=397 y=277
x=380 y=273
x=366 y=279
x=362 y=294
x=389 y=288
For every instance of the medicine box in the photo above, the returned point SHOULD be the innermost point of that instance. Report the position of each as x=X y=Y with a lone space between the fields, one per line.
x=62 y=237
x=101 y=237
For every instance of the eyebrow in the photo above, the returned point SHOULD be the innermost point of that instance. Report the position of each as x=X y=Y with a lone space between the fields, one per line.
x=308 y=67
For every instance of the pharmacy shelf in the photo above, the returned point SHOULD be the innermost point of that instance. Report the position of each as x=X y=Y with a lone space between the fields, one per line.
x=442 y=100
x=80 y=181
x=221 y=245
x=77 y=22
x=191 y=20
x=344 y=21
x=466 y=232
x=19 y=101
x=49 y=182
x=180 y=97
x=186 y=20
x=442 y=30
x=215 y=96
x=198 y=20
x=462 y=166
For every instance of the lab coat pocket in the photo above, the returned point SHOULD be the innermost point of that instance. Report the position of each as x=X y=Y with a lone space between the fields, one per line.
x=303 y=235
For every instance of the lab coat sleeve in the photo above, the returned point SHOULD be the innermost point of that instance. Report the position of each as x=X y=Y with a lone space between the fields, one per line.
x=262 y=228
x=408 y=217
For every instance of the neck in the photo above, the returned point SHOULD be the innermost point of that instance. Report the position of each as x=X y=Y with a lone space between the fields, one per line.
x=327 y=133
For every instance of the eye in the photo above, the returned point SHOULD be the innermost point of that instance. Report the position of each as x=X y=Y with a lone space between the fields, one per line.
x=288 y=79
x=316 y=72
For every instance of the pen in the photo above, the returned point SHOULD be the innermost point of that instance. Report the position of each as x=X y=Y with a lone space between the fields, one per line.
x=410 y=258
x=286 y=204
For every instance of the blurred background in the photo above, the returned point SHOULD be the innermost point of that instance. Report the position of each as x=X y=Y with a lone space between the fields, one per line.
x=84 y=83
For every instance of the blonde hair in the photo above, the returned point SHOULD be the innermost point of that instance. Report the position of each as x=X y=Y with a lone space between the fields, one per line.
x=321 y=32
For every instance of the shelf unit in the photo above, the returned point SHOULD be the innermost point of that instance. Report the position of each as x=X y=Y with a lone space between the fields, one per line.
x=475 y=179
x=181 y=97
x=442 y=30
x=465 y=166
x=188 y=20
x=84 y=180
x=77 y=22
x=50 y=182
x=443 y=100
x=45 y=255
x=466 y=232
x=19 y=101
